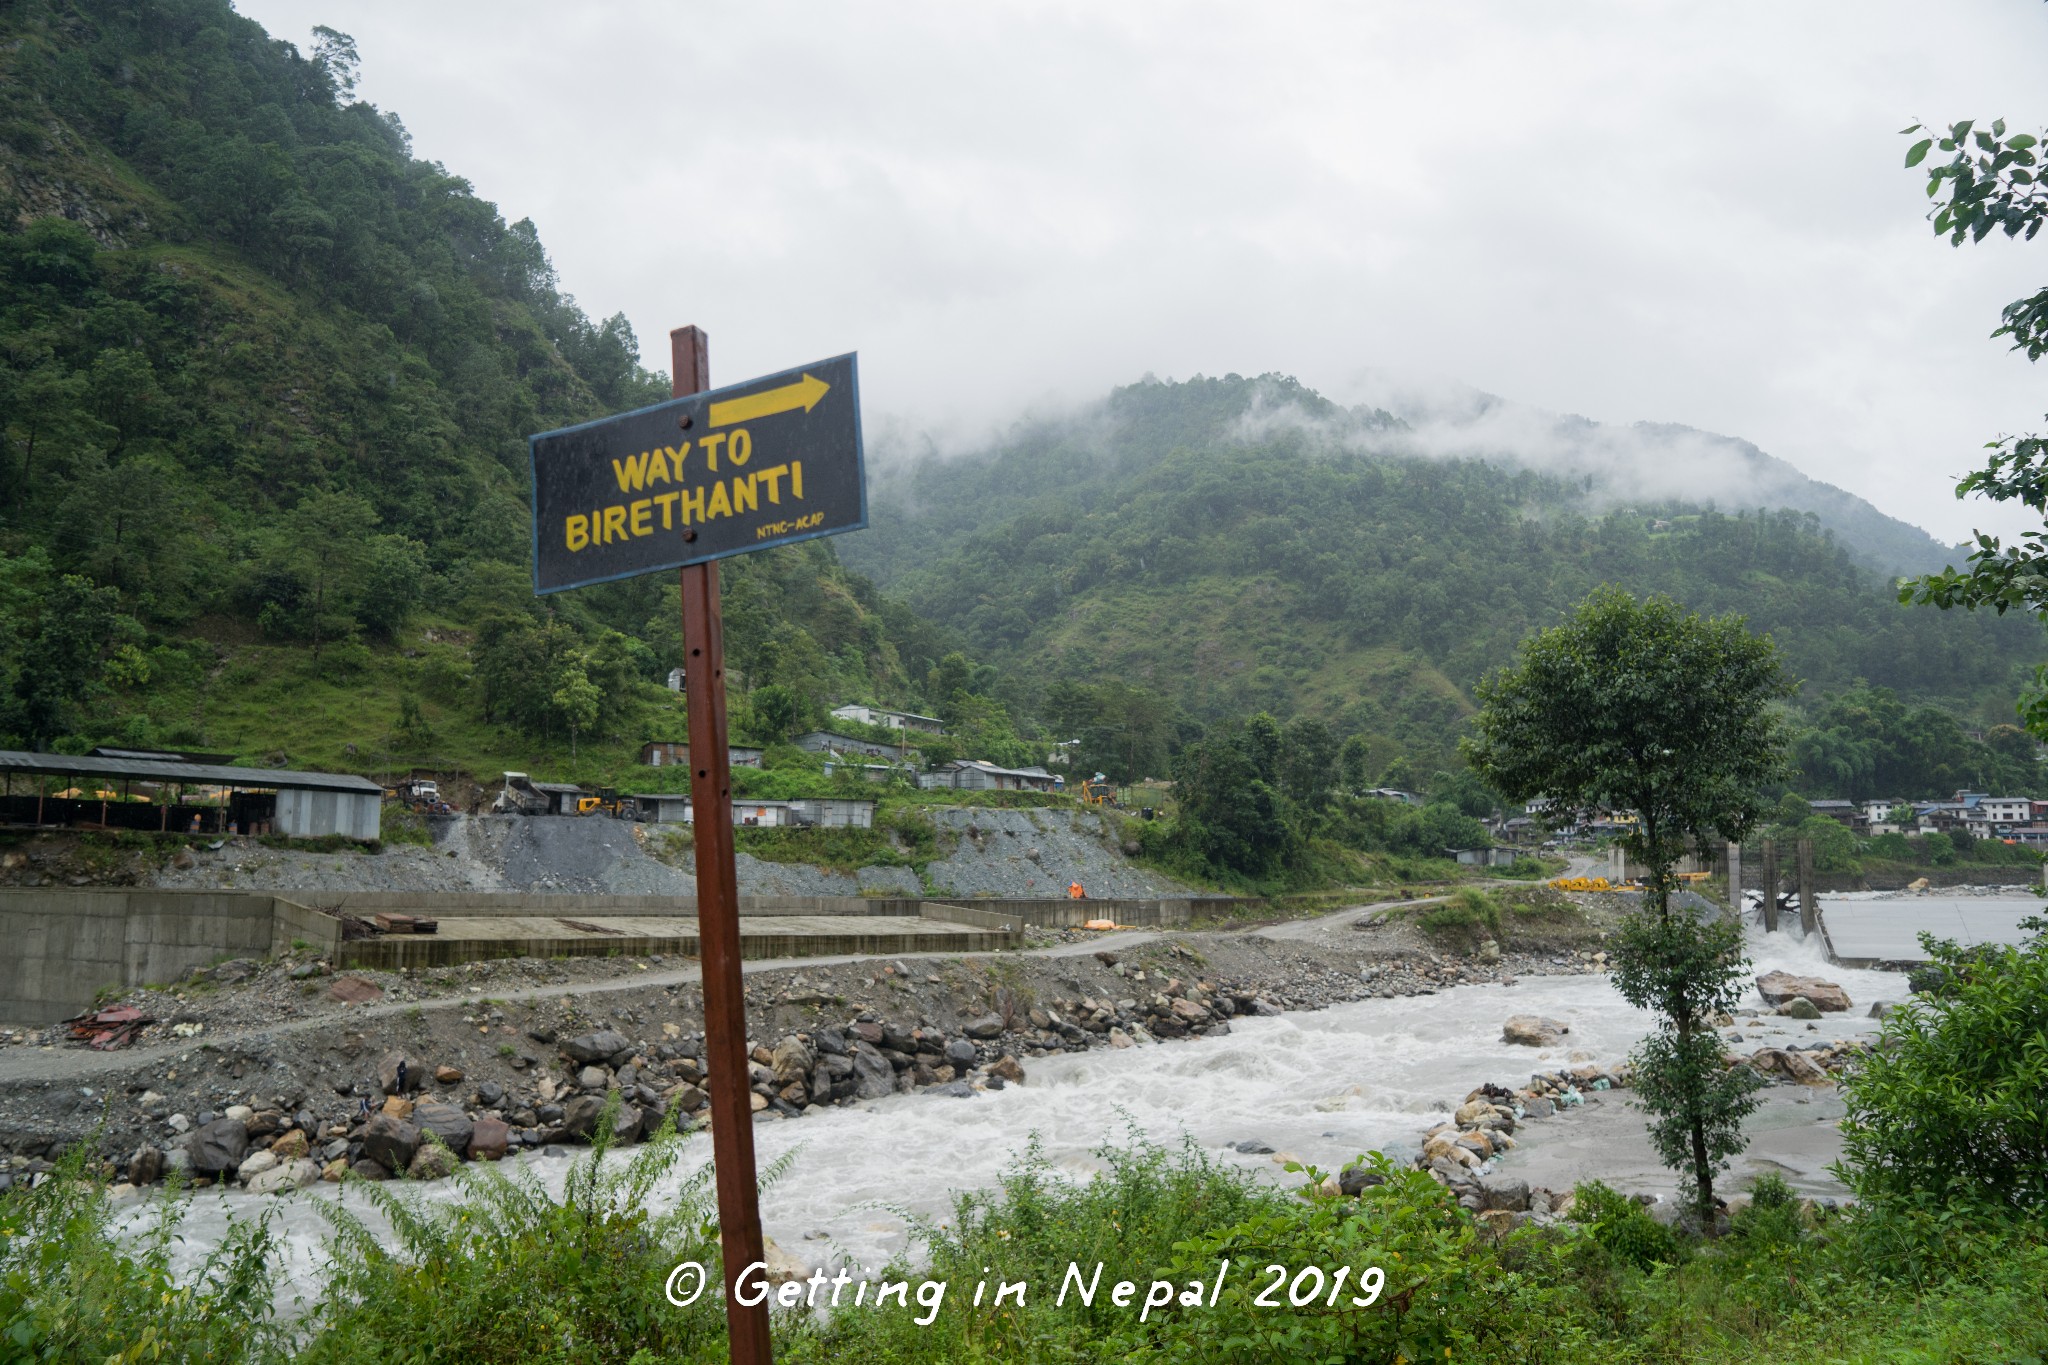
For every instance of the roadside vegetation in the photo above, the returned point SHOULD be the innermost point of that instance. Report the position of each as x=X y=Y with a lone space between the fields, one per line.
x=1943 y=1258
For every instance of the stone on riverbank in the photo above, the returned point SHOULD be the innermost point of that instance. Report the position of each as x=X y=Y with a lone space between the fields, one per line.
x=1528 y=1030
x=1779 y=987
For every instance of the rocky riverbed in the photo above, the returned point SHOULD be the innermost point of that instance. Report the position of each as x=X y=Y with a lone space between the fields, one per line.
x=328 y=1072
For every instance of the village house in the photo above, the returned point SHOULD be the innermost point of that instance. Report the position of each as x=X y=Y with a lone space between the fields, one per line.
x=972 y=774
x=825 y=742
x=889 y=720
x=2003 y=812
x=668 y=753
x=1842 y=812
x=749 y=812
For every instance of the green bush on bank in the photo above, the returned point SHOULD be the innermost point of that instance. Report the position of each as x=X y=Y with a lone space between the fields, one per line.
x=72 y=1287
x=1952 y=1103
x=511 y=1273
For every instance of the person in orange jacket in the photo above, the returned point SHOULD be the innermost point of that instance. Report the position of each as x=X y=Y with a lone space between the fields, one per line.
x=1074 y=892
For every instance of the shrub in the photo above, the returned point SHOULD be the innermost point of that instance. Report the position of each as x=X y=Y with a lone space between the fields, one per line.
x=1623 y=1227
x=1130 y=1217
x=509 y=1272
x=72 y=1288
x=1467 y=914
x=1444 y=1290
x=1953 y=1100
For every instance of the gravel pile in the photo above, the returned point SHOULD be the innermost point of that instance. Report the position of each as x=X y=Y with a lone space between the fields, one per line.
x=1030 y=853
x=243 y=864
x=1037 y=853
x=591 y=854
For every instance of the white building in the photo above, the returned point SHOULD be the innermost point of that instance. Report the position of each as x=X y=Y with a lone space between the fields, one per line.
x=890 y=720
x=972 y=774
x=2003 y=810
x=823 y=813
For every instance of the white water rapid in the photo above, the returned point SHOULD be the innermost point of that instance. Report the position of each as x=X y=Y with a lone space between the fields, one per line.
x=1323 y=1086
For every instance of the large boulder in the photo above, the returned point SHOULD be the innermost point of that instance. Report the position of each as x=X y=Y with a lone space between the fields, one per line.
x=1799 y=1007
x=431 y=1163
x=1355 y=1180
x=354 y=990
x=792 y=1061
x=1778 y=987
x=146 y=1167
x=399 y=1074
x=218 y=1146
x=296 y=1174
x=255 y=1164
x=390 y=1142
x=1504 y=1192
x=1007 y=1067
x=601 y=1046
x=489 y=1139
x=445 y=1122
x=873 y=1077
x=579 y=1117
x=987 y=1026
x=1791 y=1065
x=1529 y=1030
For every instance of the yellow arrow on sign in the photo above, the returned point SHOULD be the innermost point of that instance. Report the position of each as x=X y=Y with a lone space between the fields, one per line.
x=804 y=394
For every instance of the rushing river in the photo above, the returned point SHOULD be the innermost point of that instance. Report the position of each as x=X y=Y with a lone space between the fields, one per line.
x=1323 y=1086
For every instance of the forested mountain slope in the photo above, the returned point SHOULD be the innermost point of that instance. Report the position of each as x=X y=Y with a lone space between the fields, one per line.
x=1175 y=540
x=265 y=384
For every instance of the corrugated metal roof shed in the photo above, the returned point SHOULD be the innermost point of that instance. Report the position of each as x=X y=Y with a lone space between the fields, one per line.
x=68 y=765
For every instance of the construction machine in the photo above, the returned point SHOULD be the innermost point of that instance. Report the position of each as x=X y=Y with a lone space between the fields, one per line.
x=1096 y=791
x=606 y=802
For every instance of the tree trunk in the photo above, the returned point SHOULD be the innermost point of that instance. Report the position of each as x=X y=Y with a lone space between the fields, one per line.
x=1702 y=1168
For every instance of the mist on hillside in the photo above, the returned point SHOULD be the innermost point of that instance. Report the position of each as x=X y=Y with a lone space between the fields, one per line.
x=1615 y=466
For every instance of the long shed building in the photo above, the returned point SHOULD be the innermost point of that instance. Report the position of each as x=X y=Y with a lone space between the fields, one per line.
x=172 y=796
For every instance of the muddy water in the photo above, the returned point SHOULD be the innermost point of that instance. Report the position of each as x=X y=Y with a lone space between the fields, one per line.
x=1322 y=1086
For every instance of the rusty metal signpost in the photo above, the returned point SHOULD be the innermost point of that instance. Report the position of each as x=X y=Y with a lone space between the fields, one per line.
x=681 y=485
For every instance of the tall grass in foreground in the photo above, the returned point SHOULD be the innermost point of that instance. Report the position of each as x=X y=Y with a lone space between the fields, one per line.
x=510 y=1273
x=72 y=1288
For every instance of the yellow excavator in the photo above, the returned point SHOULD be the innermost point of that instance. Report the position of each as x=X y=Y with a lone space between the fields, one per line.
x=1096 y=791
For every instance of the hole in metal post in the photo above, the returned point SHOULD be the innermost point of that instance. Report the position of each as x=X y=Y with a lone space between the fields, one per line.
x=703 y=772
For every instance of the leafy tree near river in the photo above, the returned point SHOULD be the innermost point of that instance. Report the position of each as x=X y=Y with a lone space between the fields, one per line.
x=1642 y=706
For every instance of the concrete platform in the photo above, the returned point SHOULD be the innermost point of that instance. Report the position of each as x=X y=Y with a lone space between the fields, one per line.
x=1871 y=933
x=67 y=946
x=469 y=938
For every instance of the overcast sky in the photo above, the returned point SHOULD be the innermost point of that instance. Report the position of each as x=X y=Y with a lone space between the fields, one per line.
x=1631 y=211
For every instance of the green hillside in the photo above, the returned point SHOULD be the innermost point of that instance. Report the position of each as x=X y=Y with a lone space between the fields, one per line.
x=265 y=384
x=1167 y=540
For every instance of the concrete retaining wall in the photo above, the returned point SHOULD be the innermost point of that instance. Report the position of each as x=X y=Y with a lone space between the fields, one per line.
x=456 y=904
x=1164 y=913
x=64 y=947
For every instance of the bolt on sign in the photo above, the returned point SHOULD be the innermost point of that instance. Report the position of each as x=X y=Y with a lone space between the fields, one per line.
x=767 y=462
